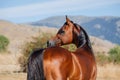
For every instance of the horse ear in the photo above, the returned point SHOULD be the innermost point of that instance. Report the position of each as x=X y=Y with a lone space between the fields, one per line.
x=67 y=19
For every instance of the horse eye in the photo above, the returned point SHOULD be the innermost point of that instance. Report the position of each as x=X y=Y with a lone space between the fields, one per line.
x=62 y=32
x=66 y=23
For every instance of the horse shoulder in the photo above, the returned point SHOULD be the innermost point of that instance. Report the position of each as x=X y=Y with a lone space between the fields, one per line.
x=57 y=63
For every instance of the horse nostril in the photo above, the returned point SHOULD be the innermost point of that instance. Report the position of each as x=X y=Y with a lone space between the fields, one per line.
x=50 y=43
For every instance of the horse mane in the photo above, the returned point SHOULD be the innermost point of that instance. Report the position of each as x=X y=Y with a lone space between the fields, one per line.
x=84 y=35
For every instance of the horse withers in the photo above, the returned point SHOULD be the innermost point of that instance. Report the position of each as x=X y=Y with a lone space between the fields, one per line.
x=57 y=63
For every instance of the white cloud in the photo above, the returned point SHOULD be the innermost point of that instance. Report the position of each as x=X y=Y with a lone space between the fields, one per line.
x=53 y=7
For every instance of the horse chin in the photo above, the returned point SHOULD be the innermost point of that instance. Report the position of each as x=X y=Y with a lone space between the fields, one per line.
x=59 y=44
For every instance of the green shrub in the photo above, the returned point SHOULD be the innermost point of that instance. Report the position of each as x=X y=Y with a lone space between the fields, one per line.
x=70 y=47
x=3 y=43
x=114 y=55
x=102 y=59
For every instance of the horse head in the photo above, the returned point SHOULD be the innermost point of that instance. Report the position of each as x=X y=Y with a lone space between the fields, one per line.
x=70 y=32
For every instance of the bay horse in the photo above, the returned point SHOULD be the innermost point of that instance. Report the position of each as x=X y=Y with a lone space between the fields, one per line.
x=57 y=63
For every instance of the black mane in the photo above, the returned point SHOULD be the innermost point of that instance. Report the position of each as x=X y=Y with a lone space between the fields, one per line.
x=83 y=37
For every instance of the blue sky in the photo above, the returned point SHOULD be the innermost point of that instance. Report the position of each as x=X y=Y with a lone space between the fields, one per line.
x=20 y=11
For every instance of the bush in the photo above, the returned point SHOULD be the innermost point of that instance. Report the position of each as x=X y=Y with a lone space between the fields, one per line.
x=3 y=43
x=70 y=47
x=114 y=55
x=102 y=59
x=37 y=43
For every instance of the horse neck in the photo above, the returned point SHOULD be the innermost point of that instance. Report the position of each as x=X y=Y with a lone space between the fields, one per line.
x=82 y=42
x=86 y=49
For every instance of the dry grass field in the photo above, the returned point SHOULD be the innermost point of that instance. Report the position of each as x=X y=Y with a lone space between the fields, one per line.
x=13 y=76
x=107 y=72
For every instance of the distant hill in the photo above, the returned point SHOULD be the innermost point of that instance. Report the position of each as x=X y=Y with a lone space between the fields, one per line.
x=107 y=28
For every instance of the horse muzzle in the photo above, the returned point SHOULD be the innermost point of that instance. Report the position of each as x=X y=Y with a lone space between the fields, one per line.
x=52 y=43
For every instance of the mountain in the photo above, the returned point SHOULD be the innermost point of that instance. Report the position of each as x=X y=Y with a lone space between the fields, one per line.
x=107 y=27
